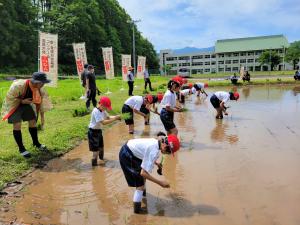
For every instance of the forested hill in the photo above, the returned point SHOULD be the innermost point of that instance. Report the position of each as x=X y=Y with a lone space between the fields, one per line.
x=98 y=23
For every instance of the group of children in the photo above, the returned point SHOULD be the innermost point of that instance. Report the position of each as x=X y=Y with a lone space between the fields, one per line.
x=138 y=156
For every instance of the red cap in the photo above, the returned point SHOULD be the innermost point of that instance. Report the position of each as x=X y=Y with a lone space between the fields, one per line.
x=173 y=143
x=149 y=98
x=190 y=85
x=160 y=96
x=236 y=95
x=105 y=101
x=184 y=80
x=179 y=79
x=205 y=85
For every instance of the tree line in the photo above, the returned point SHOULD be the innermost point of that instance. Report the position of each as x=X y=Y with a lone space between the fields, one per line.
x=98 y=23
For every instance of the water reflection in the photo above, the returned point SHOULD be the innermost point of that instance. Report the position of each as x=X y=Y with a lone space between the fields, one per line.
x=246 y=92
x=218 y=134
x=296 y=90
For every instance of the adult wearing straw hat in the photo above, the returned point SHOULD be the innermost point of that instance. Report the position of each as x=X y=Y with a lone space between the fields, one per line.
x=23 y=102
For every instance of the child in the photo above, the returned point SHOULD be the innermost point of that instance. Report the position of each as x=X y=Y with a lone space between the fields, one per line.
x=99 y=117
x=137 y=158
x=169 y=107
x=200 y=88
x=219 y=99
x=133 y=105
x=146 y=109
x=184 y=93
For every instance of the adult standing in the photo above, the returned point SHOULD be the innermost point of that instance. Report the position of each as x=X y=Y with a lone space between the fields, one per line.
x=91 y=87
x=219 y=99
x=130 y=80
x=147 y=79
x=23 y=102
x=83 y=77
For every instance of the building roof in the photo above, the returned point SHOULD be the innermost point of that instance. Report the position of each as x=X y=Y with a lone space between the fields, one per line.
x=251 y=43
x=192 y=50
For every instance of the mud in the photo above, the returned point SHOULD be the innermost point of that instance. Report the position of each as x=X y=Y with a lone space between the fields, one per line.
x=243 y=169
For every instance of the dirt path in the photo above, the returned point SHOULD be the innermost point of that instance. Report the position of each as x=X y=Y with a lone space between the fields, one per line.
x=242 y=170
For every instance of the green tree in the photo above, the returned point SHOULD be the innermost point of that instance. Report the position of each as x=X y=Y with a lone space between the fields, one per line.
x=18 y=35
x=270 y=58
x=293 y=53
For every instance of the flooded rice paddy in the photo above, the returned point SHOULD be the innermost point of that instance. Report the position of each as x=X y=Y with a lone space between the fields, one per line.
x=244 y=169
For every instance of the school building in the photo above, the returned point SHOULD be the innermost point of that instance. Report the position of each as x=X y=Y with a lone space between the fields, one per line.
x=228 y=55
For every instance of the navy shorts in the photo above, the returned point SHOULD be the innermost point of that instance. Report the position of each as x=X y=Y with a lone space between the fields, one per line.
x=197 y=87
x=144 y=110
x=167 y=118
x=23 y=112
x=95 y=139
x=215 y=101
x=127 y=109
x=131 y=167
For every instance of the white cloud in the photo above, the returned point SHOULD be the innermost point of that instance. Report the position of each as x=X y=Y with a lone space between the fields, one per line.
x=199 y=23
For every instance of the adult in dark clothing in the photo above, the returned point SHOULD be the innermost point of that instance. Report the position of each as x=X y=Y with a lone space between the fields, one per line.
x=83 y=75
x=147 y=79
x=130 y=80
x=91 y=87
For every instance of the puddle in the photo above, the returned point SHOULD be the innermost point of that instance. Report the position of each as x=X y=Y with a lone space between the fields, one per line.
x=243 y=169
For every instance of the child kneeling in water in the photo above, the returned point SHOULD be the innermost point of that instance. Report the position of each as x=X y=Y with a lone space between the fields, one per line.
x=99 y=117
x=137 y=158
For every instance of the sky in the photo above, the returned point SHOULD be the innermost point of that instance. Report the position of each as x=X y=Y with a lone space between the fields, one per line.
x=174 y=24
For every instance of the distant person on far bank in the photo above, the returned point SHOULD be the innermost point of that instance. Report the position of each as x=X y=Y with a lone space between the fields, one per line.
x=91 y=88
x=234 y=79
x=147 y=78
x=219 y=99
x=23 y=102
x=297 y=75
x=130 y=80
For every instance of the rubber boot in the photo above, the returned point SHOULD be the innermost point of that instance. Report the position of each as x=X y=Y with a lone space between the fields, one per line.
x=137 y=206
x=94 y=162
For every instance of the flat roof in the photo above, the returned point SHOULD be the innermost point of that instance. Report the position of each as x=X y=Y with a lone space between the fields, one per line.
x=251 y=43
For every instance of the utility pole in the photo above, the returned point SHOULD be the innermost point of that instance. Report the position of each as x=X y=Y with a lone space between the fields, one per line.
x=133 y=22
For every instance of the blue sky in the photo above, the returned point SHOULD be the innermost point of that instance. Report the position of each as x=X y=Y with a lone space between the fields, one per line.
x=199 y=23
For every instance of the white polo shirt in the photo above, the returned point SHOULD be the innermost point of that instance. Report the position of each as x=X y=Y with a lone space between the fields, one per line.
x=169 y=99
x=135 y=102
x=146 y=149
x=185 y=92
x=223 y=96
x=96 y=117
x=200 y=85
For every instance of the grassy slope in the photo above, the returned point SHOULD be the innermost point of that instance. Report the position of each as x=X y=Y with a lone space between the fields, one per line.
x=62 y=130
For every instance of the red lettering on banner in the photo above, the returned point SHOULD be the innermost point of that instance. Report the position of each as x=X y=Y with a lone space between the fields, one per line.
x=45 y=63
x=140 y=68
x=107 y=65
x=79 y=65
x=125 y=70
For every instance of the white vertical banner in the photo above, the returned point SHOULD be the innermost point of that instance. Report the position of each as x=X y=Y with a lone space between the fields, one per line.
x=48 y=47
x=141 y=66
x=126 y=63
x=108 y=62
x=80 y=57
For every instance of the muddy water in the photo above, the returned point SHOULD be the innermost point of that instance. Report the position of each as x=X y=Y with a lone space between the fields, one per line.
x=243 y=169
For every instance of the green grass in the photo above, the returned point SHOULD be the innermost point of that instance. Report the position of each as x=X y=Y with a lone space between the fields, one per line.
x=63 y=131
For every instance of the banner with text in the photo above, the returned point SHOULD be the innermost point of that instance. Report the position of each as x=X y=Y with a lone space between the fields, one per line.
x=80 y=57
x=126 y=63
x=108 y=62
x=48 y=56
x=141 y=66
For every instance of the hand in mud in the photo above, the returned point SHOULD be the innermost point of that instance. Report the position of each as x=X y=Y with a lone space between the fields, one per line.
x=118 y=117
x=164 y=184
x=26 y=101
